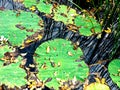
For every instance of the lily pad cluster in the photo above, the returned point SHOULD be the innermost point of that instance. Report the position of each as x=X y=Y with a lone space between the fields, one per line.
x=56 y=60
x=84 y=23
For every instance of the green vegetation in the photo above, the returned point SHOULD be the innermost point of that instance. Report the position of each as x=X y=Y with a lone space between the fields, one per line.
x=12 y=75
x=85 y=23
x=26 y=21
x=66 y=62
x=114 y=69
x=55 y=59
x=88 y=25
x=42 y=6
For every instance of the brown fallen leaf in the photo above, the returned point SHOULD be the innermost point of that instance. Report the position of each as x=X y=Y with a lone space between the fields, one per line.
x=20 y=26
x=48 y=80
x=44 y=66
x=2 y=8
x=52 y=63
x=29 y=30
x=19 y=1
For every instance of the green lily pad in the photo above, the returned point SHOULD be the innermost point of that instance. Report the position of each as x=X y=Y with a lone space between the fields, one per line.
x=12 y=75
x=114 y=69
x=9 y=29
x=29 y=3
x=42 y=6
x=4 y=49
x=62 y=13
x=46 y=8
x=87 y=25
x=61 y=52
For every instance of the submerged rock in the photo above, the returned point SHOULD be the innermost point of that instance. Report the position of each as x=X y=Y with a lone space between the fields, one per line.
x=11 y=5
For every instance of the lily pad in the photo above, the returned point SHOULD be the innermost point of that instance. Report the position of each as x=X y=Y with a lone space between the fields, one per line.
x=88 y=25
x=114 y=69
x=42 y=6
x=62 y=13
x=57 y=59
x=15 y=28
x=12 y=75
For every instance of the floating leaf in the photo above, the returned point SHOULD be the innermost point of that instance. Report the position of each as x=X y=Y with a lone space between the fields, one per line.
x=15 y=24
x=113 y=68
x=97 y=86
x=65 y=65
x=12 y=75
